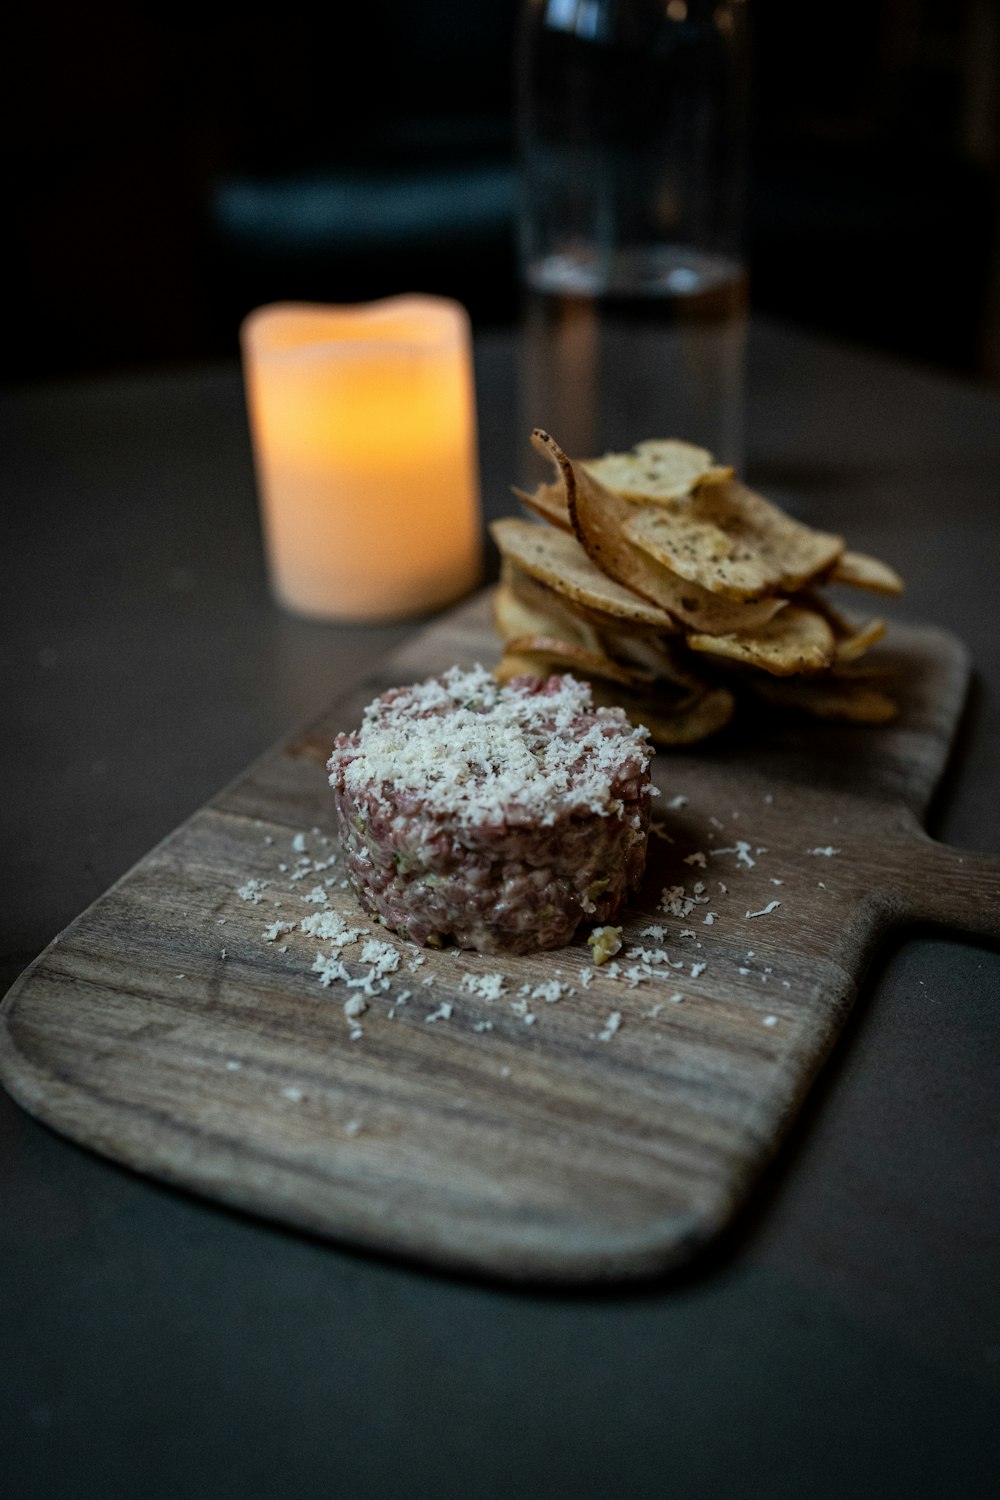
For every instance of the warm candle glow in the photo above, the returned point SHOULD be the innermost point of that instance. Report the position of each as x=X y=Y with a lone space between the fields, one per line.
x=363 y=421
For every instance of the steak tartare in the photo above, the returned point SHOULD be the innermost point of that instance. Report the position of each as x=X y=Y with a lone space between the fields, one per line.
x=495 y=817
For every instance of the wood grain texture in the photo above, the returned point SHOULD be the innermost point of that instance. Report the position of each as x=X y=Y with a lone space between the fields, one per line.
x=528 y=1150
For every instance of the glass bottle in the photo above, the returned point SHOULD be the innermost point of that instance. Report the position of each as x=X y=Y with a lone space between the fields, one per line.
x=631 y=131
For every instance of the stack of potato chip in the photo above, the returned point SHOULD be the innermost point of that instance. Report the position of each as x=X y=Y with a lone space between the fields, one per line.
x=672 y=588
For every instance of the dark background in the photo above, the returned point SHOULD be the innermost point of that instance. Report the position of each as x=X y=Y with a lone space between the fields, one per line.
x=169 y=166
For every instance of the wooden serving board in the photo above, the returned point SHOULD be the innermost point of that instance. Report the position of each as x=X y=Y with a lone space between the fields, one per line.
x=554 y=1149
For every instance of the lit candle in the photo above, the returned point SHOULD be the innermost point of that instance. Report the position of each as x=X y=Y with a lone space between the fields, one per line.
x=363 y=425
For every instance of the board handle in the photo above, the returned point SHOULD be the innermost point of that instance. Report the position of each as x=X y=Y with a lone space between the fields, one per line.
x=944 y=886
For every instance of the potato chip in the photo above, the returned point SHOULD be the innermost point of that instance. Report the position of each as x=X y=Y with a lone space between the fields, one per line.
x=557 y=559
x=733 y=542
x=854 y=645
x=852 y=700
x=688 y=722
x=658 y=560
x=664 y=656
x=522 y=605
x=864 y=572
x=570 y=621
x=682 y=720
x=798 y=640
x=548 y=501
x=513 y=617
x=853 y=639
x=552 y=655
x=659 y=469
x=598 y=517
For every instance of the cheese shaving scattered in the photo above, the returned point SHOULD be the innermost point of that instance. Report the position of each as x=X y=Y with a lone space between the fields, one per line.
x=331 y=928
x=742 y=851
x=276 y=930
x=765 y=911
x=253 y=890
x=484 y=986
x=550 y=992
x=329 y=970
x=382 y=955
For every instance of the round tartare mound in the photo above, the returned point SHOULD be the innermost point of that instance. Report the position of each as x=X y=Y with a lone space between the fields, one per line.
x=495 y=817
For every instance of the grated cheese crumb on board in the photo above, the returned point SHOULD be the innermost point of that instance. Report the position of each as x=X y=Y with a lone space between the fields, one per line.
x=637 y=974
x=330 y=927
x=474 y=750
x=742 y=851
x=277 y=930
x=383 y=956
x=484 y=986
x=329 y=970
x=253 y=890
x=611 y=1026
x=550 y=992
x=649 y=955
x=765 y=911
x=828 y=852
x=443 y=1012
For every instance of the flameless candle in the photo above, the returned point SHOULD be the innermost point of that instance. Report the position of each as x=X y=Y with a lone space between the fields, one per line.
x=363 y=426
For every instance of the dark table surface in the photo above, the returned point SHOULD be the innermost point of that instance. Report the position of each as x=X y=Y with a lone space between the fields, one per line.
x=843 y=1340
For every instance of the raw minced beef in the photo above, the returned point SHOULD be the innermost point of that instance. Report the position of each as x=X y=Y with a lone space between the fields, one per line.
x=496 y=817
